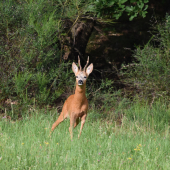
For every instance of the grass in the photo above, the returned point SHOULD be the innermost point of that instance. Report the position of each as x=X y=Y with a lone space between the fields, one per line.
x=26 y=144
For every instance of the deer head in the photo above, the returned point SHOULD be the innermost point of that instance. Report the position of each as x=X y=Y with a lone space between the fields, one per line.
x=82 y=74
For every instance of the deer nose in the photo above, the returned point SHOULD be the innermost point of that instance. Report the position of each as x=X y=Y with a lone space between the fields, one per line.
x=80 y=82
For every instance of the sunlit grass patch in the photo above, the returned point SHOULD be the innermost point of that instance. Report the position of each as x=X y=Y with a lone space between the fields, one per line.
x=26 y=144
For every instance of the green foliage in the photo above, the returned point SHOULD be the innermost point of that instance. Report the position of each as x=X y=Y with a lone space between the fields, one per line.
x=31 y=63
x=115 y=8
x=20 y=82
x=151 y=73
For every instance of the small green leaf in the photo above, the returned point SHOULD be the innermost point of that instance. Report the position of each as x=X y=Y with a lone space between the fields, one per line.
x=117 y=15
x=122 y=6
x=131 y=18
x=123 y=1
x=146 y=1
x=140 y=5
x=111 y=3
x=144 y=13
x=129 y=9
x=146 y=7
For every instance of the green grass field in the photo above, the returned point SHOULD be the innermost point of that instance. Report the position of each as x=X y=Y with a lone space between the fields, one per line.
x=140 y=143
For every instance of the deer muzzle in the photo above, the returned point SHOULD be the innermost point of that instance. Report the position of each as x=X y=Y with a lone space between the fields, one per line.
x=80 y=82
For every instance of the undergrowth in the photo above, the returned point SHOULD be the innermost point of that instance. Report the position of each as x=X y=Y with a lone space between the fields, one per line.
x=151 y=73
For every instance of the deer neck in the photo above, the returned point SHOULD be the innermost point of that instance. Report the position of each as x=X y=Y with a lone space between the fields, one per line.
x=80 y=93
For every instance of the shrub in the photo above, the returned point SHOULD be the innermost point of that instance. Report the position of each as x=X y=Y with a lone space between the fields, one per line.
x=151 y=73
x=31 y=65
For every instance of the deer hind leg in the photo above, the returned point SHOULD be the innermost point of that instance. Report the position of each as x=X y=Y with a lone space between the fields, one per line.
x=58 y=121
x=83 y=119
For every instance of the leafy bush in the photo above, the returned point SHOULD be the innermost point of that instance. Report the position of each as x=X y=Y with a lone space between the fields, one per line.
x=115 y=8
x=31 y=62
x=151 y=73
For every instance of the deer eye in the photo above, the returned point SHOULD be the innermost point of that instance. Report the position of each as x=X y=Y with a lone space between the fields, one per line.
x=85 y=77
x=76 y=77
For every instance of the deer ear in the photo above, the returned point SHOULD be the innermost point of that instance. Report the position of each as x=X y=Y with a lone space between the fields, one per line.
x=75 y=68
x=89 y=69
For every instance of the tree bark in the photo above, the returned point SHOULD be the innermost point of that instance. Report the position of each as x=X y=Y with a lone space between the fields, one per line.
x=79 y=37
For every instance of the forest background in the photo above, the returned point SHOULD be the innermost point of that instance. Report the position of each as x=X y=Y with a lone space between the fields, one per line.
x=40 y=40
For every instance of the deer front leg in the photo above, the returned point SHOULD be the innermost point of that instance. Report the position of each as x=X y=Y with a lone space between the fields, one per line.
x=72 y=122
x=83 y=119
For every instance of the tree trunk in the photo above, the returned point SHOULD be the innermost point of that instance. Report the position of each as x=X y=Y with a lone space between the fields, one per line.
x=80 y=34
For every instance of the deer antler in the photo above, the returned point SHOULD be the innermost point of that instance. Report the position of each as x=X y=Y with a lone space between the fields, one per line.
x=86 y=64
x=79 y=63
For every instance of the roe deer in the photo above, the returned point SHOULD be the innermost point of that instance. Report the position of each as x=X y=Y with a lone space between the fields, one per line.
x=76 y=105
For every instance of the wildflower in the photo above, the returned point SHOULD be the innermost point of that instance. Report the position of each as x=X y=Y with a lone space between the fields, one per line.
x=45 y=128
x=129 y=158
x=57 y=143
x=40 y=144
x=156 y=148
x=22 y=143
x=46 y=143
x=138 y=147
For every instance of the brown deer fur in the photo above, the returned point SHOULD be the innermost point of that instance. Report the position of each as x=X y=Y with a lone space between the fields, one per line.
x=76 y=105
